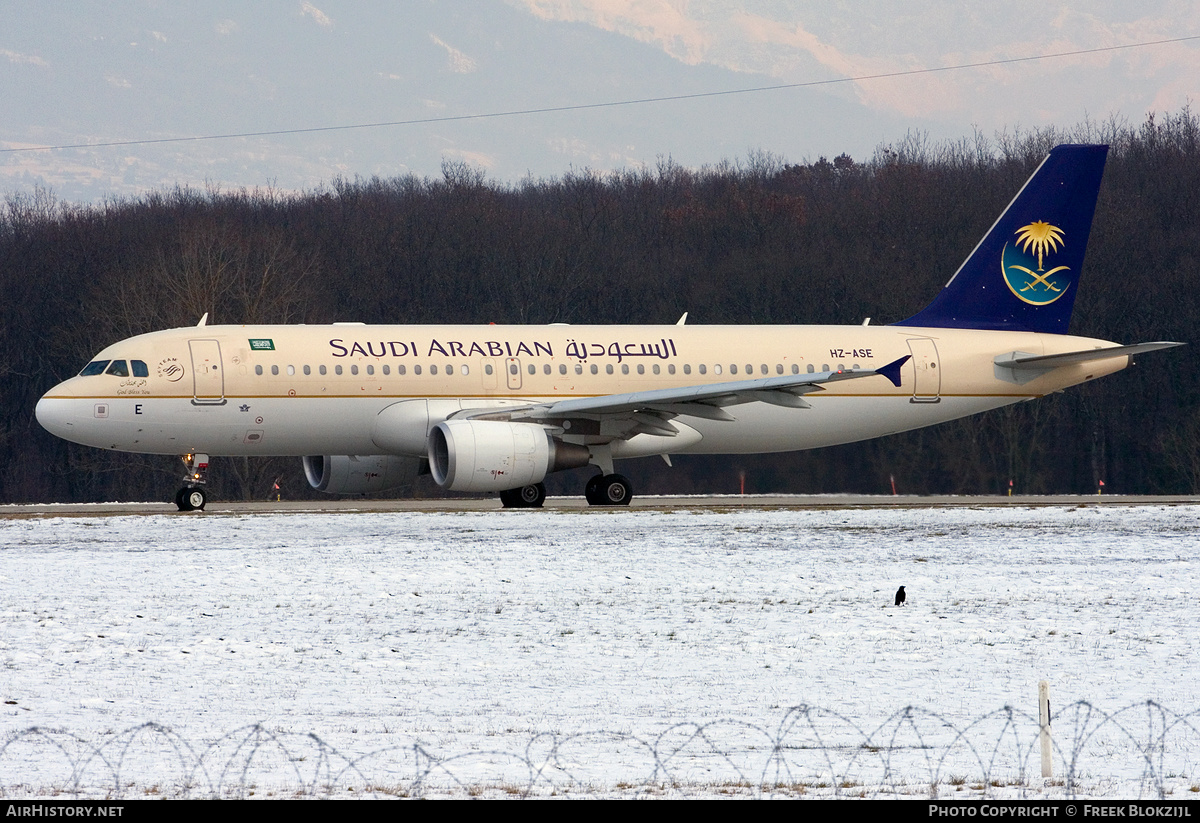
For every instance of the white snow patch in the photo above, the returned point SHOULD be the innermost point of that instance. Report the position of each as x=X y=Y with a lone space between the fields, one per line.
x=463 y=633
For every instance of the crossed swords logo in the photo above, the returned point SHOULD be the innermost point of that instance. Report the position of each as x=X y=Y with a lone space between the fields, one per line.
x=1041 y=237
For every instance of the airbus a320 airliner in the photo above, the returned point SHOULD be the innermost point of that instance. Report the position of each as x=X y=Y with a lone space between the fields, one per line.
x=497 y=408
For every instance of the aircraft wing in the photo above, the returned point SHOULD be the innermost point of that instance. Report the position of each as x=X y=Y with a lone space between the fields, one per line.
x=650 y=411
x=780 y=391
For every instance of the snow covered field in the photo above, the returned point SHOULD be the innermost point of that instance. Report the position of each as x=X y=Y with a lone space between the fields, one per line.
x=601 y=652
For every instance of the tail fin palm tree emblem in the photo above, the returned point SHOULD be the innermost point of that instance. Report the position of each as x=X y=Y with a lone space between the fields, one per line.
x=1041 y=236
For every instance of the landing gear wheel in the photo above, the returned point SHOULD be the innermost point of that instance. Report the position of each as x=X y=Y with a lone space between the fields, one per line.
x=616 y=490
x=608 y=490
x=526 y=497
x=591 y=492
x=190 y=499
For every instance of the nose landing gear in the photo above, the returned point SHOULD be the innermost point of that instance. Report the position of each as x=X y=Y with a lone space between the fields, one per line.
x=191 y=497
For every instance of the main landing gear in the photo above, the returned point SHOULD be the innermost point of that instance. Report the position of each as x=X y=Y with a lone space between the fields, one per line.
x=608 y=490
x=526 y=497
x=601 y=490
x=191 y=497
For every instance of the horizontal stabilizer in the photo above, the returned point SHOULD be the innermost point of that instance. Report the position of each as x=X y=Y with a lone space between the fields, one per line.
x=1021 y=367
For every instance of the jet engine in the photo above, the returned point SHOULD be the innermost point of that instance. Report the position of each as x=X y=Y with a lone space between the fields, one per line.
x=360 y=474
x=489 y=455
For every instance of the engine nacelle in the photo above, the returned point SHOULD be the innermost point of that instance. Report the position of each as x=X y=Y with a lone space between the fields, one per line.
x=360 y=474
x=490 y=456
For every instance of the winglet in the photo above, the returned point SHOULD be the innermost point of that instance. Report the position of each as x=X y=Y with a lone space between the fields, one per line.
x=892 y=370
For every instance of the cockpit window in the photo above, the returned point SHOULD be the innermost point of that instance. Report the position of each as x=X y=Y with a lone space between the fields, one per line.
x=95 y=367
x=118 y=369
x=139 y=368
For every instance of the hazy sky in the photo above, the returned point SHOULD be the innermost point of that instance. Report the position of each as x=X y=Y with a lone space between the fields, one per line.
x=89 y=72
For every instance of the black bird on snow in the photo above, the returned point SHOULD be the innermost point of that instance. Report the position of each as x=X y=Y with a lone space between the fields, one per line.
x=900 y=596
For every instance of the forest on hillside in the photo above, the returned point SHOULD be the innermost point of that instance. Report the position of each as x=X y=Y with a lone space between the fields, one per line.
x=758 y=240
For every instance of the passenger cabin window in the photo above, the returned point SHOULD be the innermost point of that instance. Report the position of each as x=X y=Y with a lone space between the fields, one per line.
x=275 y=370
x=291 y=371
x=337 y=369
x=811 y=368
x=370 y=369
x=400 y=370
x=94 y=368
x=307 y=370
x=487 y=368
x=354 y=369
x=258 y=370
x=321 y=369
x=433 y=369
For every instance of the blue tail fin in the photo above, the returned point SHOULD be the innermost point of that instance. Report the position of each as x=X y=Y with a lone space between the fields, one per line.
x=1023 y=274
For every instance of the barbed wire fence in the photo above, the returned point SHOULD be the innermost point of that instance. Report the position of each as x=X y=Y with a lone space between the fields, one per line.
x=1142 y=751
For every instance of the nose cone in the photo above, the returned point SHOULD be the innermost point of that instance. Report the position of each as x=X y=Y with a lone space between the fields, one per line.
x=55 y=416
x=89 y=421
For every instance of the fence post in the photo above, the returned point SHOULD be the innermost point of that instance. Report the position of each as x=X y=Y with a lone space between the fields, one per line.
x=1044 y=721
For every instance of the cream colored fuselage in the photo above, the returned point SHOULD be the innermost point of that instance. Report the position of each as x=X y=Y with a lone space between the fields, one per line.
x=299 y=390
